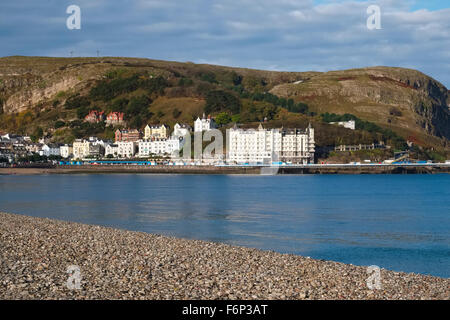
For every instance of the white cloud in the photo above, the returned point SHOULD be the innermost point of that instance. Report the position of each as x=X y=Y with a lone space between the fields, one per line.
x=293 y=35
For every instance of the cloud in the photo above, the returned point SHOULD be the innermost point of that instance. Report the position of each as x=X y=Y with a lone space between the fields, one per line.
x=291 y=35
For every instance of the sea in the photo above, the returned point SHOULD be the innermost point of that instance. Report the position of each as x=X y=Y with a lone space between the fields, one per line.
x=396 y=222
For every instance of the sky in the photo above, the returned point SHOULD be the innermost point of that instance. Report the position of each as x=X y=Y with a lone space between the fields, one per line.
x=285 y=35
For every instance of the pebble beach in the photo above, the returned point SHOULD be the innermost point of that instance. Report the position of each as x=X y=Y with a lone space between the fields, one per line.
x=35 y=255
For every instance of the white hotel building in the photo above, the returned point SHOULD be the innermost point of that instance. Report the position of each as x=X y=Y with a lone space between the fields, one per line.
x=267 y=146
x=160 y=146
x=121 y=149
x=125 y=149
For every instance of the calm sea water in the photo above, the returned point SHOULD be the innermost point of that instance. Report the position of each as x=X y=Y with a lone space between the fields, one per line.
x=398 y=222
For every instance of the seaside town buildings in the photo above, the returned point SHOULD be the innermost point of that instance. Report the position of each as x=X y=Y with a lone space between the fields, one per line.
x=268 y=146
x=95 y=116
x=126 y=149
x=181 y=130
x=66 y=151
x=115 y=118
x=112 y=150
x=14 y=146
x=351 y=124
x=160 y=146
x=358 y=147
x=51 y=149
x=80 y=148
x=96 y=150
x=204 y=124
x=262 y=146
x=128 y=135
x=156 y=131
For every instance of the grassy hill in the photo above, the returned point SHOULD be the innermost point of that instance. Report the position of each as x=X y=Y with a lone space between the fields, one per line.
x=51 y=96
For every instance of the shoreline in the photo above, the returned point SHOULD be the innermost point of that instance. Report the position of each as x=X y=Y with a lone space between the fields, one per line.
x=331 y=169
x=119 y=264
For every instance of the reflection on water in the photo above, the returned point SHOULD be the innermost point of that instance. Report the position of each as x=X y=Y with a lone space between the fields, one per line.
x=396 y=222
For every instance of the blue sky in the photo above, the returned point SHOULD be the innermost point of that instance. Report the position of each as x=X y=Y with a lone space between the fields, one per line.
x=412 y=4
x=290 y=35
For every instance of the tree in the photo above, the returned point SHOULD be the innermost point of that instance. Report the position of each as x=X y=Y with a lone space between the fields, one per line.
x=185 y=82
x=37 y=134
x=138 y=105
x=223 y=118
x=119 y=105
x=176 y=113
x=208 y=77
x=160 y=114
x=77 y=101
x=82 y=112
x=59 y=124
x=219 y=100
x=237 y=79
x=236 y=118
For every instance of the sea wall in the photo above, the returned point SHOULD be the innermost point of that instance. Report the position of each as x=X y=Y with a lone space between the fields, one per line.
x=335 y=169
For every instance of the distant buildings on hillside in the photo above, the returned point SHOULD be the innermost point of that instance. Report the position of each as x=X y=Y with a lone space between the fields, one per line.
x=351 y=124
x=95 y=116
x=113 y=118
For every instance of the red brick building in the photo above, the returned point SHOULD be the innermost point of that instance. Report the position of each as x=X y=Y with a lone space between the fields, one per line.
x=95 y=116
x=129 y=135
x=115 y=118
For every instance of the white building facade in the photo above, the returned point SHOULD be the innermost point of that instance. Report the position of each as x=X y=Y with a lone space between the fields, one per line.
x=181 y=130
x=112 y=149
x=204 y=124
x=160 y=146
x=50 y=150
x=268 y=146
x=66 y=151
x=126 y=149
x=351 y=124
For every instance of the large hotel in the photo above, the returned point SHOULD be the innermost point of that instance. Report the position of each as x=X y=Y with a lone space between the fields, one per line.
x=268 y=146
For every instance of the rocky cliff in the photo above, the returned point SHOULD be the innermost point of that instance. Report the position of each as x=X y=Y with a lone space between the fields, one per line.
x=402 y=99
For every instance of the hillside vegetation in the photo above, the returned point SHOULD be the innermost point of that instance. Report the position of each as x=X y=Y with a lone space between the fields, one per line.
x=51 y=96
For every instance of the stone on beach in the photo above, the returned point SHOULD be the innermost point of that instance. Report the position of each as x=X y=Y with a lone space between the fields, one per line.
x=116 y=264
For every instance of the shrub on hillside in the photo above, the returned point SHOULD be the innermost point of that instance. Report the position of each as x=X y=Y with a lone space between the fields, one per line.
x=219 y=100
x=77 y=101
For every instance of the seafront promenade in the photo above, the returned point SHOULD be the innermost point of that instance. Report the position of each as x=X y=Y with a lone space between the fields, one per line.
x=236 y=169
x=36 y=253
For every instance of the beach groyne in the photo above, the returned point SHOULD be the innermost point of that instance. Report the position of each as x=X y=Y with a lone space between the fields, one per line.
x=36 y=255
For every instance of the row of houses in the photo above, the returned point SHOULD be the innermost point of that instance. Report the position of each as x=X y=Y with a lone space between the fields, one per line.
x=15 y=146
x=117 y=118
x=155 y=139
x=266 y=146
x=160 y=131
